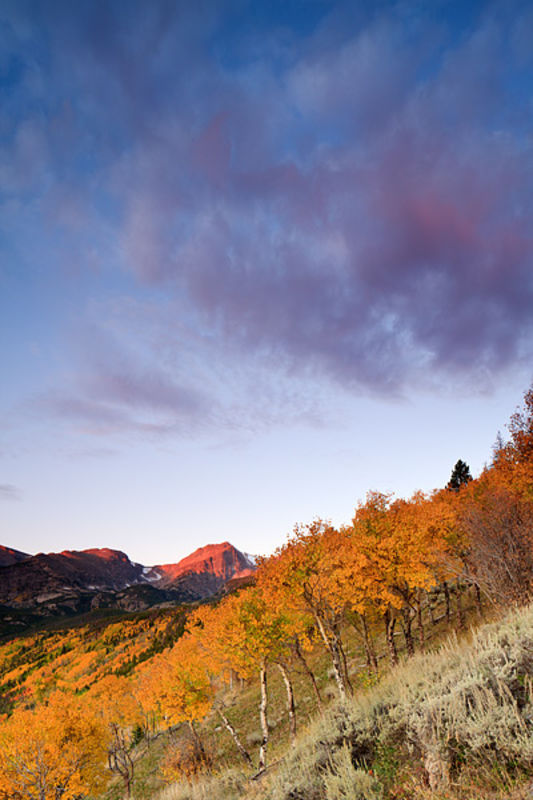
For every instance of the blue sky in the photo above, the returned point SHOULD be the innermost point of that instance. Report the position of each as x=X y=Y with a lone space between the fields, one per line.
x=255 y=260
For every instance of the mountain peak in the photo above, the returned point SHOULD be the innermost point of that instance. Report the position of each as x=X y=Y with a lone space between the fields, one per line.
x=222 y=561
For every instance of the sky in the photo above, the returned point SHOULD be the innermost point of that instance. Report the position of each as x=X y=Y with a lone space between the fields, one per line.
x=256 y=259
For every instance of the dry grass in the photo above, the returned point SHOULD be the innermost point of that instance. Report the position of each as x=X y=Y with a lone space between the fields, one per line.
x=227 y=786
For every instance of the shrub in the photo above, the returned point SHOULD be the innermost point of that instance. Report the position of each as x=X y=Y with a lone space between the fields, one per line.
x=346 y=782
x=184 y=760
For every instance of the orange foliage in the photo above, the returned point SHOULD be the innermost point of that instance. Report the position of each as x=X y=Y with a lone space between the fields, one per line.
x=177 y=683
x=55 y=750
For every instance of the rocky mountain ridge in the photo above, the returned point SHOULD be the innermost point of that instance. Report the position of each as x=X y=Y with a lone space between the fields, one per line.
x=76 y=581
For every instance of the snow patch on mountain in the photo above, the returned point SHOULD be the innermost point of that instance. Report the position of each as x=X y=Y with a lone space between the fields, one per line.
x=151 y=574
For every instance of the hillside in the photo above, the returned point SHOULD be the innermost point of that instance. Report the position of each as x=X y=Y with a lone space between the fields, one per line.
x=317 y=679
x=81 y=654
x=455 y=723
x=377 y=730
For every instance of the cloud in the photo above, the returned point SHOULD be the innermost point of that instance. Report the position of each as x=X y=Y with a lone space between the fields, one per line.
x=346 y=201
x=9 y=492
x=120 y=391
x=144 y=378
x=399 y=246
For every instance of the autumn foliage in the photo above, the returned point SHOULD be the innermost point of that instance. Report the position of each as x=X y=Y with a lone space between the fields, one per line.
x=55 y=750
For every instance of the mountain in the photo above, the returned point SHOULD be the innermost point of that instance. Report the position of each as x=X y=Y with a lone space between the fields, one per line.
x=206 y=570
x=49 y=575
x=73 y=581
x=10 y=556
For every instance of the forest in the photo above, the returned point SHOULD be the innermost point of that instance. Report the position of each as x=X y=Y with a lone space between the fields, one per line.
x=396 y=649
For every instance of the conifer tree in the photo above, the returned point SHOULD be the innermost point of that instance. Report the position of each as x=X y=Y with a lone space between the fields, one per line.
x=460 y=476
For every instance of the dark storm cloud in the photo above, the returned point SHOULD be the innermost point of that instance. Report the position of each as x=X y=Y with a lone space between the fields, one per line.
x=352 y=196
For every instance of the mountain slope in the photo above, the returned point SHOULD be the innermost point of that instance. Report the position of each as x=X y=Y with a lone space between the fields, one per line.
x=8 y=556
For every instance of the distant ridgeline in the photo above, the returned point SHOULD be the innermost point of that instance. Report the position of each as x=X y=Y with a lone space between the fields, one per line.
x=74 y=582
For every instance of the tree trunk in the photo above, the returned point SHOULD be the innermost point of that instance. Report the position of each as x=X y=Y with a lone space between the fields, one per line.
x=291 y=709
x=347 y=680
x=309 y=673
x=119 y=759
x=407 y=623
x=430 y=607
x=420 y=620
x=263 y=717
x=370 y=653
x=233 y=733
x=479 y=602
x=363 y=633
x=472 y=581
x=446 y=590
x=197 y=741
x=335 y=657
x=460 y=619
x=390 y=623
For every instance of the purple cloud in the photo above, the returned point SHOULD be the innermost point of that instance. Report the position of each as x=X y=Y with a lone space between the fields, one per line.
x=402 y=247
x=348 y=201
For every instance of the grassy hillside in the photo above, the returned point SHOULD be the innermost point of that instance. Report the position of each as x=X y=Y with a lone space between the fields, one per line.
x=241 y=703
x=456 y=723
x=453 y=724
x=374 y=744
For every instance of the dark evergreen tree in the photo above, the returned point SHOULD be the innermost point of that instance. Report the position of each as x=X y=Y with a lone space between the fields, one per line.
x=459 y=477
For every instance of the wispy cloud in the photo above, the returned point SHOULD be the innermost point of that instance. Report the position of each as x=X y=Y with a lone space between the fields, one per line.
x=159 y=385
x=9 y=492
